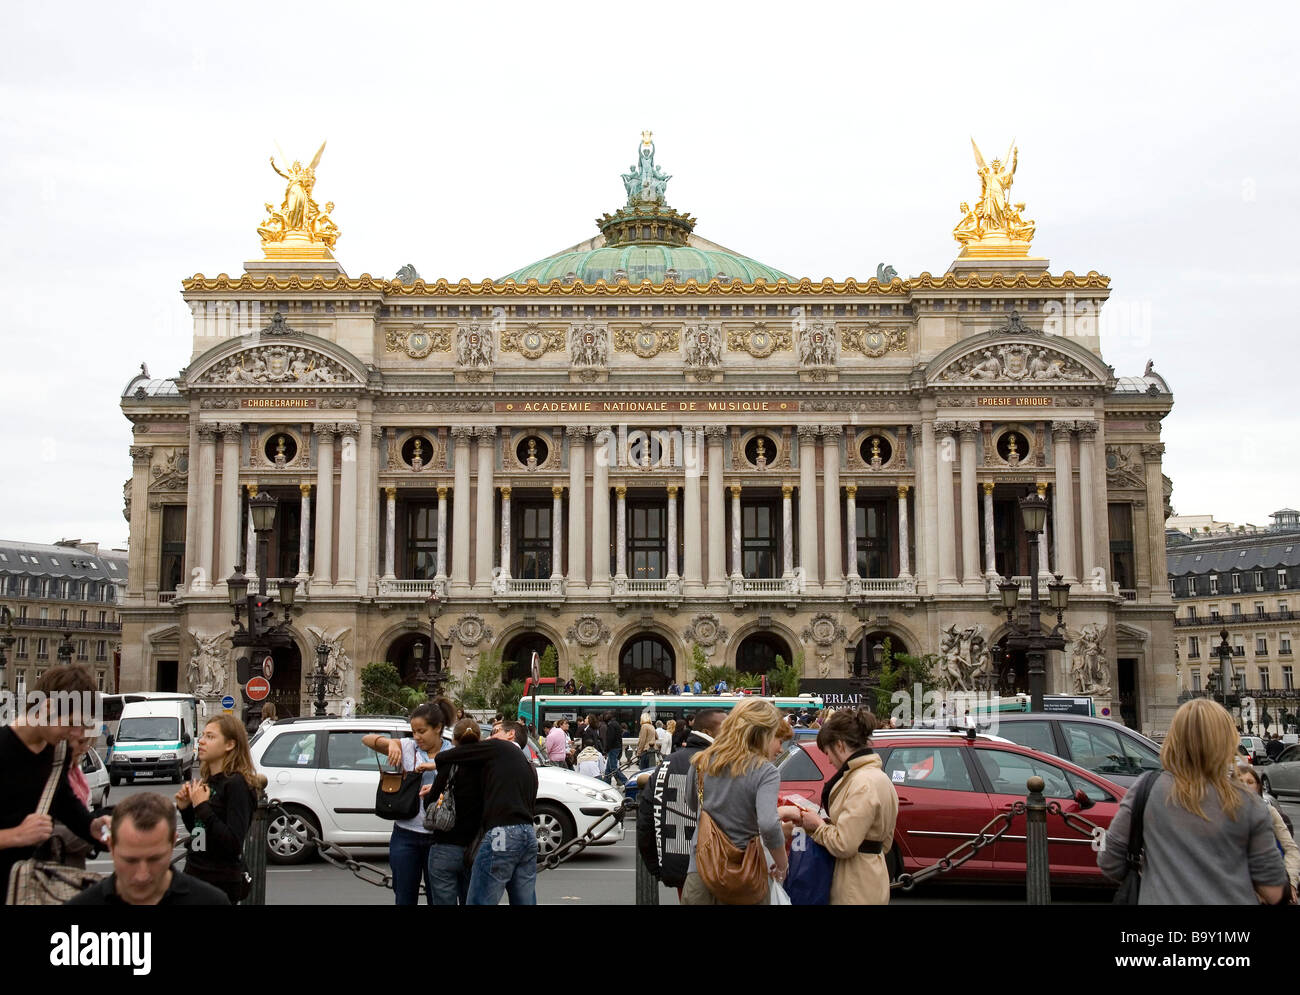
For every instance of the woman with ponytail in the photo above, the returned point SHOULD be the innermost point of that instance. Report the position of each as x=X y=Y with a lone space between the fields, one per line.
x=863 y=809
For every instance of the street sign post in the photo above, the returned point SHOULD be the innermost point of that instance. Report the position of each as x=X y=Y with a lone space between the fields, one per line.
x=268 y=667
x=228 y=704
x=257 y=688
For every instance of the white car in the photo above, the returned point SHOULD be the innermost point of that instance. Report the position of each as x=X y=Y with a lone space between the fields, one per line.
x=318 y=769
x=97 y=777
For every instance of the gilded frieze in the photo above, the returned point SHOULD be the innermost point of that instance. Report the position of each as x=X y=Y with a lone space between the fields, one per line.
x=532 y=341
x=873 y=339
x=418 y=341
x=759 y=340
x=647 y=341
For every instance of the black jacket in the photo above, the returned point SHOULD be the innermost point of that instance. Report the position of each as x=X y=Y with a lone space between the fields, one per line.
x=613 y=736
x=666 y=815
x=184 y=890
x=1274 y=748
x=509 y=781
x=225 y=817
x=591 y=736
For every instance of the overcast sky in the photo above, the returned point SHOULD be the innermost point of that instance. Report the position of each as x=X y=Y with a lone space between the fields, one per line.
x=1158 y=145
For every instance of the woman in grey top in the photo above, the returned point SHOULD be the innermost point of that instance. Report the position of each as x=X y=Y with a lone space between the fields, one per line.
x=1207 y=840
x=740 y=789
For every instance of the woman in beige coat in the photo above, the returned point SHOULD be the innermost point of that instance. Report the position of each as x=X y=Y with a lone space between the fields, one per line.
x=863 y=808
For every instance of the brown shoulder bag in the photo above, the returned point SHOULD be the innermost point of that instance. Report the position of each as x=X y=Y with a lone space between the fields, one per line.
x=733 y=876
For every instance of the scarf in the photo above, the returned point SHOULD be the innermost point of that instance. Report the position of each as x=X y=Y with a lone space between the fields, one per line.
x=844 y=769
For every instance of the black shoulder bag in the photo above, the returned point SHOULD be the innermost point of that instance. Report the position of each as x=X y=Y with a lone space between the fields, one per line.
x=398 y=794
x=1127 y=894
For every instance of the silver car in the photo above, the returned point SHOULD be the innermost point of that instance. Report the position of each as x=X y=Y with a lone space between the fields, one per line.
x=97 y=777
x=1282 y=776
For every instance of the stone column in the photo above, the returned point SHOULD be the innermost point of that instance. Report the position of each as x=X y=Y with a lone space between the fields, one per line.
x=461 y=435
x=485 y=518
x=693 y=578
x=620 y=547
x=141 y=457
x=717 y=509
x=737 y=564
x=348 y=459
x=1152 y=454
x=808 y=503
x=557 y=531
x=442 y=534
x=945 y=453
x=833 y=569
x=230 y=437
x=1087 y=516
x=366 y=540
x=787 y=531
x=970 y=511
x=323 y=564
x=600 y=514
x=904 y=535
x=207 y=521
x=990 y=546
x=672 y=532
x=1062 y=458
x=250 y=538
x=577 y=505
x=505 y=532
x=927 y=510
x=851 y=527
x=390 y=531
x=1044 y=545
x=304 y=531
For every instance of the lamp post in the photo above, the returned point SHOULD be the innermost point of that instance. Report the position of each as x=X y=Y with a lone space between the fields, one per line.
x=65 y=649
x=319 y=679
x=435 y=676
x=1224 y=651
x=1029 y=636
x=7 y=640
x=263 y=632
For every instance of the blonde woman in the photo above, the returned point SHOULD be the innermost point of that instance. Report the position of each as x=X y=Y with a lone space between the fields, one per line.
x=740 y=788
x=1285 y=841
x=1207 y=839
x=647 y=743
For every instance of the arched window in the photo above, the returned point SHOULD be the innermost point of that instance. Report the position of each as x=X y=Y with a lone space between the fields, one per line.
x=863 y=660
x=646 y=662
x=518 y=657
x=758 y=653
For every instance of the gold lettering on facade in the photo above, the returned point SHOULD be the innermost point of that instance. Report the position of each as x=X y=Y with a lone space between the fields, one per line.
x=664 y=407
x=1016 y=402
x=277 y=402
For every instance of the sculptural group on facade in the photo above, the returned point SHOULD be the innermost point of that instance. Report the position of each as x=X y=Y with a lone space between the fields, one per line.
x=1015 y=362
x=275 y=365
x=703 y=346
x=206 y=672
x=818 y=345
x=1088 y=671
x=965 y=659
x=589 y=345
x=474 y=347
x=645 y=182
x=299 y=215
x=993 y=213
x=338 y=666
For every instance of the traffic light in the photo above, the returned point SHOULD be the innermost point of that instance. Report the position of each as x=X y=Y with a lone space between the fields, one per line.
x=243 y=669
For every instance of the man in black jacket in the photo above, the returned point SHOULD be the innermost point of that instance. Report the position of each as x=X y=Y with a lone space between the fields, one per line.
x=613 y=748
x=666 y=816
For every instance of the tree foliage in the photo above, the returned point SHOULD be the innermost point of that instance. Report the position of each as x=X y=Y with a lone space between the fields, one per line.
x=382 y=691
x=783 y=679
x=549 y=664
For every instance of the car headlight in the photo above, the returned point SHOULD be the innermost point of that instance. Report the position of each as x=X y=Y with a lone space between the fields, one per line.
x=613 y=797
x=594 y=794
x=166 y=756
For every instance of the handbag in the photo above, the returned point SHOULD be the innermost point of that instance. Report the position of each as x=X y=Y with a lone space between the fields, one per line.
x=733 y=876
x=808 y=882
x=1127 y=893
x=398 y=794
x=37 y=881
x=441 y=816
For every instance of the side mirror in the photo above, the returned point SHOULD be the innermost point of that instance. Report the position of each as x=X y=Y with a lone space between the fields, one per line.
x=185 y=739
x=1084 y=801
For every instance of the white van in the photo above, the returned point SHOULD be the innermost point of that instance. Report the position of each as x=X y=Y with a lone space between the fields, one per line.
x=156 y=736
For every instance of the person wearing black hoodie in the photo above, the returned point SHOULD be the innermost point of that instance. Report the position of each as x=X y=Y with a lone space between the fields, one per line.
x=218 y=808
x=666 y=818
x=613 y=747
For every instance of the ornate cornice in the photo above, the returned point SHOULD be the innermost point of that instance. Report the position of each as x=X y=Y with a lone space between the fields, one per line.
x=623 y=288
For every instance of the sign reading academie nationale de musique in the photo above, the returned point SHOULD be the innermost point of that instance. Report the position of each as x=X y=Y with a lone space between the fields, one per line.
x=664 y=407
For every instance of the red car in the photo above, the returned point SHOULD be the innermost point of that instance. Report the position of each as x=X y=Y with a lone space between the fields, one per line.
x=950 y=785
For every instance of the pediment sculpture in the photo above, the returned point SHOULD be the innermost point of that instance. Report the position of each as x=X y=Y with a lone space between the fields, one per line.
x=1015 y=362
x=278 y=365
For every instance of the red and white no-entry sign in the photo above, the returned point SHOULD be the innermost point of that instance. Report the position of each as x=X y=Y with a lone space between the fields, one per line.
x=257 y=688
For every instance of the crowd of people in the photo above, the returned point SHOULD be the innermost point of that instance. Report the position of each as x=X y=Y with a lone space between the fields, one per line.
x=711 y=820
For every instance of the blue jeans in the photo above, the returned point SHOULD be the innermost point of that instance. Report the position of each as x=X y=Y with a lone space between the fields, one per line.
x=506 y=863
x=448 y=874
x=408 y=856
x=611 y=765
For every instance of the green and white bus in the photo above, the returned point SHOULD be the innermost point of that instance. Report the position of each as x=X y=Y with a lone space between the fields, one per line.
x=628 y=708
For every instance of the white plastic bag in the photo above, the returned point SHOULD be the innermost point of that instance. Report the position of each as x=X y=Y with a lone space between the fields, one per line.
x=776 y=894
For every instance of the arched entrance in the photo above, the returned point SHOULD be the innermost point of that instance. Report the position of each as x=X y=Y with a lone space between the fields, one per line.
x=757 y=653
x=409 y=653
x=1012 y=667
x=646 y=662
x=863 y=662
x=517 y=660
x=286 y=681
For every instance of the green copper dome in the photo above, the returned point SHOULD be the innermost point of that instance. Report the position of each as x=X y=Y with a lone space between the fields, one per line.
x=647 y=262
x=646 y=239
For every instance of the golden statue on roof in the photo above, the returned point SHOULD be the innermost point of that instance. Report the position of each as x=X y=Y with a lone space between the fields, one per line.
x=994 y=227
x=299 y=229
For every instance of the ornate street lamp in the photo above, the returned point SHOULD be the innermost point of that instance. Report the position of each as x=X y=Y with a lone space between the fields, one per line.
x=319 y=679
x=1029 y=636
x=434 y=676
x=7 y=640
x=65 y=649
x=1224 y=651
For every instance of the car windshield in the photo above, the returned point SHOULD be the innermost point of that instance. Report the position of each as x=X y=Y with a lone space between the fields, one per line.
x=150 y=729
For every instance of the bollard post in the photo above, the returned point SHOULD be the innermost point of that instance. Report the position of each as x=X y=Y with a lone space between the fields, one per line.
x=1038 y=878
x=255 y=853
x=647 y=885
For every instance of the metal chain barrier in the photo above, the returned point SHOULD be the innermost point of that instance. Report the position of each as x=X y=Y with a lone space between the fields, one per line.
x=575 y=846
x=982 y=839
x=1078 y=823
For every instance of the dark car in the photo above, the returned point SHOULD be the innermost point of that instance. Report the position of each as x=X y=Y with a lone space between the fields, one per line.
x=1099 y=745
x=950 y=786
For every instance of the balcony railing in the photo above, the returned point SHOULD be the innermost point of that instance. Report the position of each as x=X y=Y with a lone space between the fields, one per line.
x=647 y=587
x=528 y=587
x=771 y=587
x=165 y=597
x=882 y=585
x=1241 y=619
x=1128 y=594
x=398 y=588
x=54 y=623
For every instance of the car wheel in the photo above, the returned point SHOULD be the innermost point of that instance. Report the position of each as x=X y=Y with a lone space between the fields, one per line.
x=554 y=828
x=893 y=863
x=286 y=837
x=114 y=779
x=1268 y=788
x=179 y=776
